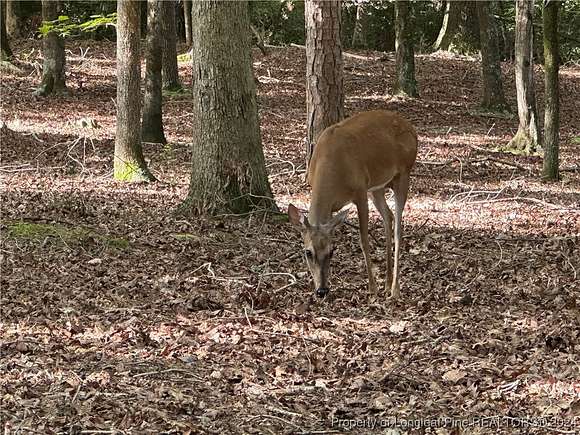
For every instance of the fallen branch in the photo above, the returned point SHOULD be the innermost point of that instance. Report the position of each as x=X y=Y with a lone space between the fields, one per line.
x=521 y=198
x=344 y=53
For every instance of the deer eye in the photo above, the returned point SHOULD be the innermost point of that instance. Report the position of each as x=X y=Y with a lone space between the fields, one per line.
x=308 y=254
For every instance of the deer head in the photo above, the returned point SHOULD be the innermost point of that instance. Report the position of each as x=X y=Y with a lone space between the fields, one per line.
x=318 y=246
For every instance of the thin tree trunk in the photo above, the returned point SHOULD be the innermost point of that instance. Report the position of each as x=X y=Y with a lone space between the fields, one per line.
x=552 y=91
x=527 y=139
x=170 y=71
x=53 y=78
x=359 y=32
x=228 y=173
x=129 y=164
x=152 y=101
x=405 y=82
x=493 y=98
x=324 y=76
x=13 y=18
x=449 y=25
x=187 y=20
x=5 y=51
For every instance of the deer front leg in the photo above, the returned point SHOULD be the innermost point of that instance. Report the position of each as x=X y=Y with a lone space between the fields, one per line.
x=380 y=202
x=363 y=218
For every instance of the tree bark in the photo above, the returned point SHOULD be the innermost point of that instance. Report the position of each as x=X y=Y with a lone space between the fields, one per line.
x=359 y=32
x=324 y=76
x=5 y=51
x=13 y=18
x=129 y=164
x=527 y=139
x=449 y=25
x=152 y=101
x=228 y=173
x=405 y=82
x=493 y=98
x=53 y=68
x=187 y=20
x=552 y=90
x=170 y=71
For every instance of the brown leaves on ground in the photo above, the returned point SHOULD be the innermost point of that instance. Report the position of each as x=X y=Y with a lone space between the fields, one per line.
x=120 y=316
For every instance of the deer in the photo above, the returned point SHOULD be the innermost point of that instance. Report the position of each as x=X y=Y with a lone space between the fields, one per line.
x=357 y=158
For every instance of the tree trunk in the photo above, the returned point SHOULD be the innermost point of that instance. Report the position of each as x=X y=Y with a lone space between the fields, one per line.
x=187 y=20
x=170 y=72
x=359 y=32
x=493 y=98
x=552 y=90
x=53 y=79
x=324 y=83
x=152 y=101
x=405 y=82
x=5 y=51
x=228 y=173
x=129 y=164
x=13 y=18
x=449 y=25
x=527 y=139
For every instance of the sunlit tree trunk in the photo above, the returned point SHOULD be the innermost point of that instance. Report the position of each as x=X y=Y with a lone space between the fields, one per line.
x=170 y=70
x=493 y=98
x=527 y=139
x=449 y=26
x=405 y=82
x=5 y=51
x=324 y=82
x=187 y=20
x=359 y=32
x=552 y=97
x=228 y=173
x=53 y=78
x=129 y=164
x=152 y=102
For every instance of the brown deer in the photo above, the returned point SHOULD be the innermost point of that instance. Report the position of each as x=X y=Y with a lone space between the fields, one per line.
x=362 y=155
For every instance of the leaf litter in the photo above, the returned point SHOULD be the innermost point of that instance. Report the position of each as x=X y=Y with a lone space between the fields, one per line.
x=208 y=325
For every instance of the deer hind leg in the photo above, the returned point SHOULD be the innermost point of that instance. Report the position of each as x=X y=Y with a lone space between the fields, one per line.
x=400 y=188
x=363 y=217
x=380 y=202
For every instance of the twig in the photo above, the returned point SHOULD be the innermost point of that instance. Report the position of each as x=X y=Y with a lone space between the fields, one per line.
x=521 y=198
x=158 y=372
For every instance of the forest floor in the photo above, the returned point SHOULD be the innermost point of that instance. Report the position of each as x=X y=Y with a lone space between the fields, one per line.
x=121 y=316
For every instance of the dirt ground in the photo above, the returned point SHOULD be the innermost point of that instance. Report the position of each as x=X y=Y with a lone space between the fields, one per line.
x=121 y=316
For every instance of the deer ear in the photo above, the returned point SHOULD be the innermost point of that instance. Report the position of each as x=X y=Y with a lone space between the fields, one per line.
x=337 y=219
x=297 y=217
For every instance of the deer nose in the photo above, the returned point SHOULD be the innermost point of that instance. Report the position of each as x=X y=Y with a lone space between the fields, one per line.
x=322 y=291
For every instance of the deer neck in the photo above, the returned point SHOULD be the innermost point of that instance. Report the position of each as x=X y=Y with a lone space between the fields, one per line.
x=320 y=210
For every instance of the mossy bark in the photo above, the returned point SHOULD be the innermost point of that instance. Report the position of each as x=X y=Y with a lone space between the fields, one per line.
x=152 y=126
x=405 y=82
x=129 y=164
x=552 y=91
x=449 y=25
x=53 y=68
x=527 y=139
x=228 y=173
x=13 y=20
x=5 y=51
x=170 y=71
x=493 y=98
x=324 y=76
x=187 y=21
x=360 y=27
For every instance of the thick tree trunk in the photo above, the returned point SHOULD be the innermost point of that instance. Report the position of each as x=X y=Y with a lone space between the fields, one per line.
x=405 y=55
x=5 y=51
x=13 y=18
x=170 y=72
x=552 y=90
x=187 y=20
x=359 y=32
x=228 y=173
x=129 y=164
x=324 y=82
x=449 y=25
x=527 y=139
x=152 y=102
x=493 y=98
x=53 y=79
